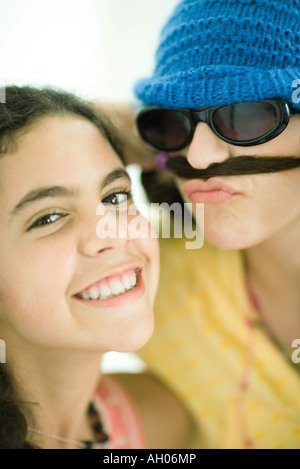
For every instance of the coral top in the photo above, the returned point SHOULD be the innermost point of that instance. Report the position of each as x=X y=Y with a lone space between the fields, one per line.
x=119 y=416
x=210 y=347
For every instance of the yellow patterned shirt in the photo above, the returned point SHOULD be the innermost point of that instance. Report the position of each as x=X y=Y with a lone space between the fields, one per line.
x=209 y=347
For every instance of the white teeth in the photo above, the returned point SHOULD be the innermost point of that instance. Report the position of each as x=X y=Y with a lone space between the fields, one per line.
x=94 y=293
x=105 y=291
x=85 y=296
x=132 y=279
x=115 y=287
x=126 y=282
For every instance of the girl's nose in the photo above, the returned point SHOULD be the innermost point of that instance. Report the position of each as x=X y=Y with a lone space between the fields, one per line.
x=102 y=232
x=207 y=148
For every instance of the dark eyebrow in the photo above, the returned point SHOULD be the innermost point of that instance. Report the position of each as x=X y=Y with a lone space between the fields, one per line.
x=42 y=193
x=114 y=175
x=60 y=191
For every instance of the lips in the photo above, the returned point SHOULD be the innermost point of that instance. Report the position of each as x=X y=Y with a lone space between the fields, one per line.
x=213 y=191
x=111 y=286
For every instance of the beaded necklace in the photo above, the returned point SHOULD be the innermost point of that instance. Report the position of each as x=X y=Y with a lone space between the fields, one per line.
x=101 y=437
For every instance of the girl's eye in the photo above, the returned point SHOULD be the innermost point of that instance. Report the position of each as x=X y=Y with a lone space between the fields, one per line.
x=46 y=220
x=117 y=198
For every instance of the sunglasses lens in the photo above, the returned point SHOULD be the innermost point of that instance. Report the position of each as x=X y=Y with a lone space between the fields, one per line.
x=245 y=121
x=165 y=129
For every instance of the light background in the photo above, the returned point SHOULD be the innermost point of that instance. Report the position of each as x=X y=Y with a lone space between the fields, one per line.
x=91 y=47
x=94 y=48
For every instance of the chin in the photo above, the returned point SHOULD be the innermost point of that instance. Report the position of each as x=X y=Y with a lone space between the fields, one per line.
x=134 y=337
x=235 y=231
x=229 y=240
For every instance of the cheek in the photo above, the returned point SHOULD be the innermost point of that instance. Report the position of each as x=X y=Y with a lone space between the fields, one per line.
x=33 y=284
x=152 y=251
x=145 y=242
x=266 y=208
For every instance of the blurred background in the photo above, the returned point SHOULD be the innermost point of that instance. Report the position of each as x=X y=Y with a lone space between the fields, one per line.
x=94 y=48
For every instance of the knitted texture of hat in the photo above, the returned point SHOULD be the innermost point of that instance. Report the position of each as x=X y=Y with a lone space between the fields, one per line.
x=222 y=51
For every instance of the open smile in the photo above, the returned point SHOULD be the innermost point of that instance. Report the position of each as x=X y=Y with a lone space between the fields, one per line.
x=113 y=290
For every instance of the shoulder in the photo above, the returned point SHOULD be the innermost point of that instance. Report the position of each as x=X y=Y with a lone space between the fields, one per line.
x=166 y=422
x=186 y=270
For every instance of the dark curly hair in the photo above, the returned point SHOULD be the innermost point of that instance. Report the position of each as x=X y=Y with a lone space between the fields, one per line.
x=24 y=106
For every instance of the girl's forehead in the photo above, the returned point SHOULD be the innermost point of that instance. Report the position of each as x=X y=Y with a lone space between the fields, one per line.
x=57 y=151
x=61 y=141
x=51 y=129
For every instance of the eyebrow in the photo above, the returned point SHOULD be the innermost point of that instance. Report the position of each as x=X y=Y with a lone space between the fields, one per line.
x=113 y=176
x=61 y=191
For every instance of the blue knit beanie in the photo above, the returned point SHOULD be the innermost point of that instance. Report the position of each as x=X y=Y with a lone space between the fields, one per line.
x=223 y=51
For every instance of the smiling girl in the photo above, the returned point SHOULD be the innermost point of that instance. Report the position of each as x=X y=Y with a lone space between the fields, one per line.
x=68 y=296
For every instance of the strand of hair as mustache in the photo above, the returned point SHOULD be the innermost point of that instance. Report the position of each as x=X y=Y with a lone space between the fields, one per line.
x=237 y=166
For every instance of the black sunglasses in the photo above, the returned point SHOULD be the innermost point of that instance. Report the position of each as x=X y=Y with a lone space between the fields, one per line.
x=242 y=124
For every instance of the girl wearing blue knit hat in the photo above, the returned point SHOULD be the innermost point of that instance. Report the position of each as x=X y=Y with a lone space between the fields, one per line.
x=222 y=109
